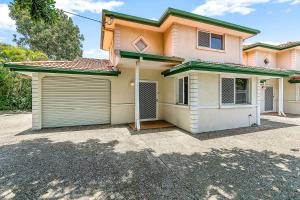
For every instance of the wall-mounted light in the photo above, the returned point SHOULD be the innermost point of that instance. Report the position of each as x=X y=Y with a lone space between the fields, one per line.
x=131 y=83
x=110 y=20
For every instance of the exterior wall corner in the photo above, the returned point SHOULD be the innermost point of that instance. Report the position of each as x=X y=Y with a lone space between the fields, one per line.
x=194 y=99
x=36 y=101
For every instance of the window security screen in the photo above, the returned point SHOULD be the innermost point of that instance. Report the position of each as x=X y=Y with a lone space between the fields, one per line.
x=203 y=39
x=227 y=91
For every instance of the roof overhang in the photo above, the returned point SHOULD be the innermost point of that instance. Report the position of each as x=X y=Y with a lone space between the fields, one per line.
x=150 y=57
x=147 y=61
x=226 y=68
x=111 y=19
x=44 y=69
x=269 y=47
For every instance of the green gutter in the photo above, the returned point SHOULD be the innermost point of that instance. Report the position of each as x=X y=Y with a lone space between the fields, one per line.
x=182 y=14
x=268 y=46
x=150 y=57
x=226 y=68
x=25 y=68
x=294 y=81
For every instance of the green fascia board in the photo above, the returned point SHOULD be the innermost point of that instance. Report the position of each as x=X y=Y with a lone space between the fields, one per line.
x=294 y=81
x=226 y=68
x=182 y=14
x=150 y=57
x=25 y=68
x=269 y=46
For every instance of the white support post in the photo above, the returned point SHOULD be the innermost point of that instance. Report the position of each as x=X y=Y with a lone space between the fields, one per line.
x=137 y=96
x=258 y=101
x=280 y=97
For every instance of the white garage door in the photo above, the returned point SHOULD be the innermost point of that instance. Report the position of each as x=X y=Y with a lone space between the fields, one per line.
x=75 y=101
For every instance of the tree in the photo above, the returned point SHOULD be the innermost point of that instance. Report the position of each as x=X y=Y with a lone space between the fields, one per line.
x=15 y=89
x=39 y=10
x=60 y=40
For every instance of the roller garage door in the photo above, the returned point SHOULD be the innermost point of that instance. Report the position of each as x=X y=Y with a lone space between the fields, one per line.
x=70 y=101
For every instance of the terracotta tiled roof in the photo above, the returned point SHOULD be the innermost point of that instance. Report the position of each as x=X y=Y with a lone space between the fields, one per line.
x=89 y=64
x=295 y=78
x=289 y=44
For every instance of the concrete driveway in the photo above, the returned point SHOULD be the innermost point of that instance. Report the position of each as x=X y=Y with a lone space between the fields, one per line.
x=102 y=162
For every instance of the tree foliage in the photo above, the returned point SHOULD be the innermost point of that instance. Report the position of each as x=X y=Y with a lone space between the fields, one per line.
x=60 y=40
x=39 y=10
x=15 y=89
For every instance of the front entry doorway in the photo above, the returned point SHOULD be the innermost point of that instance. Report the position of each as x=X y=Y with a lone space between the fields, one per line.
x=269 y=99
x=148 y=100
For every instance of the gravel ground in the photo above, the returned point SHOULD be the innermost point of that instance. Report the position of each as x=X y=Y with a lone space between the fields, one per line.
x=110 y=162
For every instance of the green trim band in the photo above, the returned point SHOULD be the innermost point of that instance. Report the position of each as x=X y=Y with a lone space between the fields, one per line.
x=294 y=81
x=25 y=68
x=226 y=68
x=150 y=57
x=270 y=46
x=182 y=14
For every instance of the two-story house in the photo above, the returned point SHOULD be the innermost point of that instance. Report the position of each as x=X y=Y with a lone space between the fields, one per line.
x=184 y=68
x=284 y=56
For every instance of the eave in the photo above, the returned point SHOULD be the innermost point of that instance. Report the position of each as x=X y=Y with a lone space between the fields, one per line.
x=26 y=68
x=225 y=68
x=150 y=57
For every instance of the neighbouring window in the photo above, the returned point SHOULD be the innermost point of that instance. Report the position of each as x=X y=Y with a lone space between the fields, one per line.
x=183 y=88
x=235 y=91
x=140 y=44
x=210 y=40
x=298 y=92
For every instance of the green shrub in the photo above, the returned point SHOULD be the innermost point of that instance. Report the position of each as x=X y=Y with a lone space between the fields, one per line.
x=15 y=88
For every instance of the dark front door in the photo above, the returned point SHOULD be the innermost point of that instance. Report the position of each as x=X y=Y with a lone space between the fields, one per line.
x=148 y=97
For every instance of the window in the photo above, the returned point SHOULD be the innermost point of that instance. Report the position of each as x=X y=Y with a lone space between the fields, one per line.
x=183 y=88
x=235 y=91
x=297 y=92
x=140 y=44
x=210 y=40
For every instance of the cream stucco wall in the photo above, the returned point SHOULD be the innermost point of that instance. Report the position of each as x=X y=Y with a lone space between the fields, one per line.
x=249 y=58
x=212 y=115
x=186 y=47
x=168 y=51
x=291 y=103
x=262 y=55
x=122 y=98
x=128 y=35
x=284 y=59
x=297 y=59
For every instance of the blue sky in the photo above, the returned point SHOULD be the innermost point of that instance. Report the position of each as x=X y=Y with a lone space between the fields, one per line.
x=278 y=20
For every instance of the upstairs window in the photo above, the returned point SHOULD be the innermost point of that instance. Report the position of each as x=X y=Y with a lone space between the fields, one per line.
x=235 y=91
x=140 y=44
x=210 y=40
x=183 y=91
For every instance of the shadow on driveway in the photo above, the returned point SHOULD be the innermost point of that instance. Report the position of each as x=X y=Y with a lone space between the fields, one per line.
x=42 y=168
x=266 y=125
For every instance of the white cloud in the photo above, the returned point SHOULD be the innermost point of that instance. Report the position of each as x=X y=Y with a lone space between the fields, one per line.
x=6 y=23
x=87 y=5
x=221 y=7
x=292 y=2
x=95 y=53
x=244 y=7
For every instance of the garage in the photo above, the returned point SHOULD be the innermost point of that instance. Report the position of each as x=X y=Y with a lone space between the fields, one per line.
x=71 y=101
